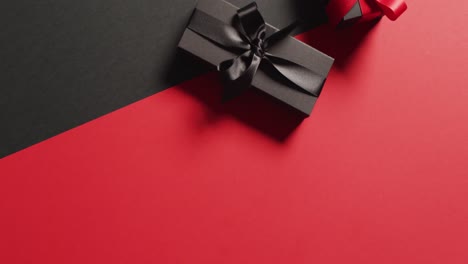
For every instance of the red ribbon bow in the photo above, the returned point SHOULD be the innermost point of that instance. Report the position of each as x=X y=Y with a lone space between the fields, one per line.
x=392 y=9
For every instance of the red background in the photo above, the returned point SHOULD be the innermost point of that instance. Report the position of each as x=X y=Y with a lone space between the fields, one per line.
x=377 y=174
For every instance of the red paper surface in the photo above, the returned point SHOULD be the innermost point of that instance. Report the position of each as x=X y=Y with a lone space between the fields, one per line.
x=377 y=174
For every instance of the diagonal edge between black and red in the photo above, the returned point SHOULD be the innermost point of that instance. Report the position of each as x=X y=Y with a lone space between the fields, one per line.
x=65 y=63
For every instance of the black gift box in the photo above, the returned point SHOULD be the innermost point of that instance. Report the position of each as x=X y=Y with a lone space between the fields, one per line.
x=289 y=48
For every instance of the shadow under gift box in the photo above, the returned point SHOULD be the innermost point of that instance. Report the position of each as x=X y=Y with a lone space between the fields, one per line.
x=267 y=82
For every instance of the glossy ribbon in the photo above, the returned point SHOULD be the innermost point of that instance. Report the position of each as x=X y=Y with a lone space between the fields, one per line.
x=392 y=9
x=248 y=37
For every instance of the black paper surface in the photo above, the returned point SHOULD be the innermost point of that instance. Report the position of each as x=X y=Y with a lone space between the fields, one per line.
x=66 y=62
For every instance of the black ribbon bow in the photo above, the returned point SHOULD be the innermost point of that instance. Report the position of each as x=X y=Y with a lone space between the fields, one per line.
x=249 y=38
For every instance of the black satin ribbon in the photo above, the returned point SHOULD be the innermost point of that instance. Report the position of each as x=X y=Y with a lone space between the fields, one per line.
x=248 y=38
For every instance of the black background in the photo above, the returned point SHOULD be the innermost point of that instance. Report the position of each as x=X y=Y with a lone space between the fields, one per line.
x=66 y=62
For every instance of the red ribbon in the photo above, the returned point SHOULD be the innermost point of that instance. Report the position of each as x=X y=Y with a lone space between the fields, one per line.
x=392 y=9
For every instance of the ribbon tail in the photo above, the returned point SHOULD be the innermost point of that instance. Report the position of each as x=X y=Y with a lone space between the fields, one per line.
x=305 y=79
x=280 y=35
x=392 y=8
x=238 y=74
x=217 y=31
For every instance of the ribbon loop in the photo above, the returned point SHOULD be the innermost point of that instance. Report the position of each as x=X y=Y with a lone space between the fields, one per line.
x=251 y=22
